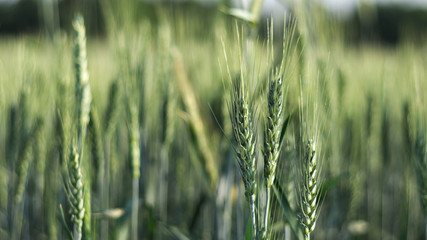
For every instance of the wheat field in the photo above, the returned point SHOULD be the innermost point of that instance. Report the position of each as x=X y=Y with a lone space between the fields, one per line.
x=195 y=125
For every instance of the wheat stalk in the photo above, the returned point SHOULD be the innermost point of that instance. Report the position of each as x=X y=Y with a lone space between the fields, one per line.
x=111 y=115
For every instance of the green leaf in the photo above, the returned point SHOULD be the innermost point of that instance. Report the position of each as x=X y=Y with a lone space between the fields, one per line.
x=239 y=14
x=248 y=234
x=290 y=215
x=328 y=184
x=67 y=230
x=331 y=182
x=284 y=127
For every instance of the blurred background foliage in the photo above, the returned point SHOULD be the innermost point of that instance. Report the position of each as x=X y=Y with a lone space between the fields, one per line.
x=388 y=23
x=167 y=58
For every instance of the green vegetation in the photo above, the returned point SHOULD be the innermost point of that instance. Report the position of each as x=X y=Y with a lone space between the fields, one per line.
x=168 y=129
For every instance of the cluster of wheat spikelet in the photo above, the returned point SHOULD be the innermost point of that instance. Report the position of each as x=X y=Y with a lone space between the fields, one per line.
x=310 y=191
x=242 y=124
x=74 y=191
x=272 y=133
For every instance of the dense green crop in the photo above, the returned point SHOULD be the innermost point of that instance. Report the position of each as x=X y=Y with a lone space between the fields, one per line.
x=136 y=136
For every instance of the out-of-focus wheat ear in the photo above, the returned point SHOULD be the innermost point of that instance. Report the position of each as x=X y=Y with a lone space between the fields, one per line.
x=189 y=98
x=11 y=137
x=11 y=150
x=112 y=111
x=96 y=148
x=25 y=158
x=53 y=170
x=272 y=134
x=111 y=115
x=421 y=170
x=63 y=125
x=39 y=149
x=83 y=94
x=197 y=123
x=134 y=140
x=242 y=124
x=171 y=108
x=310 y=189
x=23 y=118
x=74 y=189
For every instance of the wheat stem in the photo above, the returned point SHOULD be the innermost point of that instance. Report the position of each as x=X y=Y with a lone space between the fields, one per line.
x=253 y=216
x=267 y=208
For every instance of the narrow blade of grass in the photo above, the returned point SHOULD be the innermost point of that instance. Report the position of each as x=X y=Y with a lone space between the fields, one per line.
x=290 y=215
x=285 y=127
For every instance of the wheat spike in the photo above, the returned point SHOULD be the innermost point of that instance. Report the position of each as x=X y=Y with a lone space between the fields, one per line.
x=242 y=124
x=75 y=194
x=83 y=95
x=310 y=192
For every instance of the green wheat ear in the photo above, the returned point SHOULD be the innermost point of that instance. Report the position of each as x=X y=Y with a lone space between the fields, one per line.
x=272 y=130
x=78 y=200
x=83 y=95
x=242 y=124
x=272 y=134
x=25 y=157
x=74 y=189
x=310 y=189
x=112 y=112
